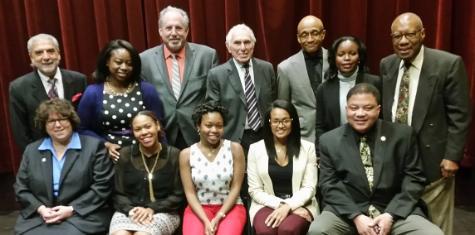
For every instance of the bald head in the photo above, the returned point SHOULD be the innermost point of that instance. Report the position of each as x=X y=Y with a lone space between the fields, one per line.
x=407 y=33
x=310 y=34
x=406 y=19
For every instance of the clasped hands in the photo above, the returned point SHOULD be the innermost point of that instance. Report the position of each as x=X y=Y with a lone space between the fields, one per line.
x=381 y=225
x=141 y=215
x=212 y=226
x=55 y=215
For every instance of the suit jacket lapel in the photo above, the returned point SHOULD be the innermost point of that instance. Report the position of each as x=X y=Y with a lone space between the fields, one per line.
x=334 y=92
x=424 y=92
x=71 y=156
x=353 y=154
x=46 y=165
x=235 y=80
x=67 y=85
x=390 y=82
x=259 y=81
x=189 y=63
x=37 y=89
x=160 y=62
x=379 y=153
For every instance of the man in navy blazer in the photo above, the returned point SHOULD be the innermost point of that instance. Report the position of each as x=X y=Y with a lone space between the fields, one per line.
x=28 y=91
x=438 y=109
x=226 y=85
x=194 y=61
x=371 y=188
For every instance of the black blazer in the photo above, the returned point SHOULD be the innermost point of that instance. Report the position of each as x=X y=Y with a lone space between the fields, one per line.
x=85 y=183
x=225 y=87
x=442 y=115
x=26 y=93
x=328 y=101
x=398 y=177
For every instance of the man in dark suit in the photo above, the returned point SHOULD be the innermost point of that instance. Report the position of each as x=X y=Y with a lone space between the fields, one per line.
x=428 y=90
x=183 y=88
x=234 y=83
x=45 y=82
x=371 y=176
x=299 y=76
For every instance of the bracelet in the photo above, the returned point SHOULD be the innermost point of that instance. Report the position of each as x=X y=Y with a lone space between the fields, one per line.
x=221 y=214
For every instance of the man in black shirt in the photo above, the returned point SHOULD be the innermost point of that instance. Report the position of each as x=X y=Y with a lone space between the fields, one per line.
x=300 y=75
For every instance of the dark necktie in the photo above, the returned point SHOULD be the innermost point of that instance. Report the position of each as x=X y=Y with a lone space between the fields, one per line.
x=365 y=154
x=253 y=116
x=403 y=101
x=52 y=92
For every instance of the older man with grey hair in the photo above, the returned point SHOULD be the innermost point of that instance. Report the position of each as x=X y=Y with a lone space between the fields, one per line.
x=245 y=85
x=47 y=81
x=178 y=69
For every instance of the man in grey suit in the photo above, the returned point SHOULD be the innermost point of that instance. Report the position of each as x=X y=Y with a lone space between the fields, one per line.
x=178 y=69
x=371 y=174
x=428 y=90
x=299 y=76
x=47 y=81
x=233 y=84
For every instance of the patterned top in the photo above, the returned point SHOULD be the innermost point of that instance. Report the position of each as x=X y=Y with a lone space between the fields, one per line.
x=212 y=179
x=117 y=112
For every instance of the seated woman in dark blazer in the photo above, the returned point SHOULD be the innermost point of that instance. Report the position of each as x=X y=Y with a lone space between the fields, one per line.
x=282 y=175
x=65 y=179
x=347 y=60
x=148 y=192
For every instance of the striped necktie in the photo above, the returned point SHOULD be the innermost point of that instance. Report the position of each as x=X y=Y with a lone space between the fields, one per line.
x=253 y=116
x=176 y=81
x=53 y=91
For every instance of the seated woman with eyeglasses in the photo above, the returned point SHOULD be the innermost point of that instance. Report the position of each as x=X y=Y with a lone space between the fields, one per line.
x=282 y=175
x=65 y=179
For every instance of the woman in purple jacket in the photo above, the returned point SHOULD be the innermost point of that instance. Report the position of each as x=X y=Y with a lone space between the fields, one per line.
x=118 y=95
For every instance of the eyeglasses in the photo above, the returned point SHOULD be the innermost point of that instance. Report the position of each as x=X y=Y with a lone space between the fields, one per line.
x=62 y=122
x=314 y=33
x=409 y=36
x=284 y=122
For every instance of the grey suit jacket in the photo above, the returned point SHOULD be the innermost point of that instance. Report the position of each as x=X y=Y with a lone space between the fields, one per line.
x=294 y=86
x=85 y=183
x=199 y=60
x=398 y=176
x=224 y=87
x=441 y=115
x=26 y=93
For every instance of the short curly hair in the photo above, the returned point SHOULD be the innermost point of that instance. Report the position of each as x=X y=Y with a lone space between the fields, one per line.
x=207 y=107
x=61 y=106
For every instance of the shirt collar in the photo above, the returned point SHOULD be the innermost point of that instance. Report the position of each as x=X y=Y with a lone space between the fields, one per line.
x=168 y=54
x=45 y=78
x=317 y=55
x=417 y=62
x=47 y=143
x=240 y=66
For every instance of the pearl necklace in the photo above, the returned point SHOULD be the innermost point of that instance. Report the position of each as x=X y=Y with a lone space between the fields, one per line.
x=114 y=90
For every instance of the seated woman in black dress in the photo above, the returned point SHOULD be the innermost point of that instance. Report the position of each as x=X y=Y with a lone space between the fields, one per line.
x=65 y=179
x=148 y=192
x=347 y=60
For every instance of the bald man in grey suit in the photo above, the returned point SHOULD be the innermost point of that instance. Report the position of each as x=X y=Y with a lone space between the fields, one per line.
x=299 y=76
x=194 y=62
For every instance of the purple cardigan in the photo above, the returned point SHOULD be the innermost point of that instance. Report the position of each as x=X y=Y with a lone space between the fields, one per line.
x=90 y=108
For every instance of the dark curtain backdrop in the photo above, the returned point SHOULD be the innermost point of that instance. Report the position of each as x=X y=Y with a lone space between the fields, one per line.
x=84 y=26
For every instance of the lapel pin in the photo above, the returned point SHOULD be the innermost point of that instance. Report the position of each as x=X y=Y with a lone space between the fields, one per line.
x=383 y=138
x=43 y=159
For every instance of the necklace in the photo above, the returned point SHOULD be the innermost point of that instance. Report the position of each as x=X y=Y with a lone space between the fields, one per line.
x=118 y=91
x=210 y=151
x=150 y=172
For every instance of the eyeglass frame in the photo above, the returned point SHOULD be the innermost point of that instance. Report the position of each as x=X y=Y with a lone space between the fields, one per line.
x=409 y=35
x=285 y=122
x=61 y=121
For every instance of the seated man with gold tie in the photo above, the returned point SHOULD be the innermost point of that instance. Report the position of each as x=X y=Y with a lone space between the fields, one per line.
x=371 y=175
